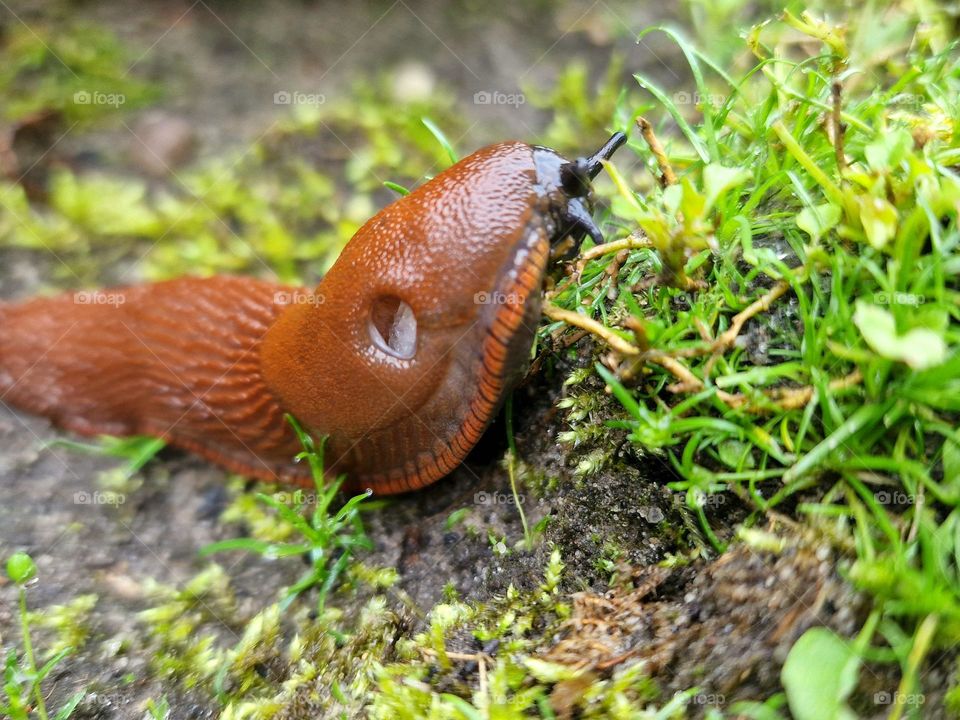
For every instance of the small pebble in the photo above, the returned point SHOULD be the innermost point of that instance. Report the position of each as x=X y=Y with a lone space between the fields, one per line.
x=162 y=144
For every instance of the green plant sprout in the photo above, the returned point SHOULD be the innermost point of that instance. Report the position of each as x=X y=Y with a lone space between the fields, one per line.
x=512 y=472
x=22 y=680
x=137 y=451
x=329 y=539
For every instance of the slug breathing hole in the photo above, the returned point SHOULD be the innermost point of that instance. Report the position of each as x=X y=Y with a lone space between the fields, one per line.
x=393 y=327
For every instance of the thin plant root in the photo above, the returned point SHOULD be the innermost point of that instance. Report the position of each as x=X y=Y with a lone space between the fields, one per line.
x=688 y=382
x=761 y=304
x=592 y=326
x=633 y=242
x=795 y=398
x=667 y=176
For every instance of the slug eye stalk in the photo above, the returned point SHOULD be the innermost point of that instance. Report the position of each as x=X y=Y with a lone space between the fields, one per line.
x=575 y=182
x=575 y=176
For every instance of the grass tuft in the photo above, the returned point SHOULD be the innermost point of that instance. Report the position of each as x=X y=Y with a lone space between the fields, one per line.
x=329 y=539
x=781 y=311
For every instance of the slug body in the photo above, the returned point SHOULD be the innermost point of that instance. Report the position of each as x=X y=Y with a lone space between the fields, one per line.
x=402 y=355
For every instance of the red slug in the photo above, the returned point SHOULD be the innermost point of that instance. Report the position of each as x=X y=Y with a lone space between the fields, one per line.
x=402 y=355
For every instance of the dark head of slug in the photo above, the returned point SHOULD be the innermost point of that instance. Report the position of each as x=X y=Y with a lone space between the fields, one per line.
x=428 y=316
x=567 y=187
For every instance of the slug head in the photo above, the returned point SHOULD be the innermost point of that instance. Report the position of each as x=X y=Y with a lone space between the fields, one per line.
x=397 y=348
x=567 y=187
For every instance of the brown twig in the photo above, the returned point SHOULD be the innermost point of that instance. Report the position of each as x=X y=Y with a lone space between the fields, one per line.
x=667 y=176
x=592 y=326
x=688 y=381
x=783 y=398
x=839 y=128
x=726 y=339
x=794 y=398
x=761 y=304
x=571 y=339
x=476 y=657
x=633 y=242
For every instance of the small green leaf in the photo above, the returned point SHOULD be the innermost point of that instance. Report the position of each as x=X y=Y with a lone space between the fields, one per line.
x=735 y=454
x=817 y=220
x=20 y=568
x=951 y=465
x=454 y=518
x=889 y=149
x=441 y=138
x=466 y=710
x=655 y=225
x=548 y=672
x=879 y=219
x=718 y=179
x=67 y=710
x=819 y=675
x=672 y=196
x=920 y=348
x=396 y=187
x=693 y=205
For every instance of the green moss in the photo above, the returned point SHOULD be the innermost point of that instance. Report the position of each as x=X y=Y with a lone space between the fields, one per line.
x=174 y=626
x=258 y=521
x=427 y=681
x=609 y=556
x=265 y=210
x=78 y=70
x=374 y=663
x=68 y=622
